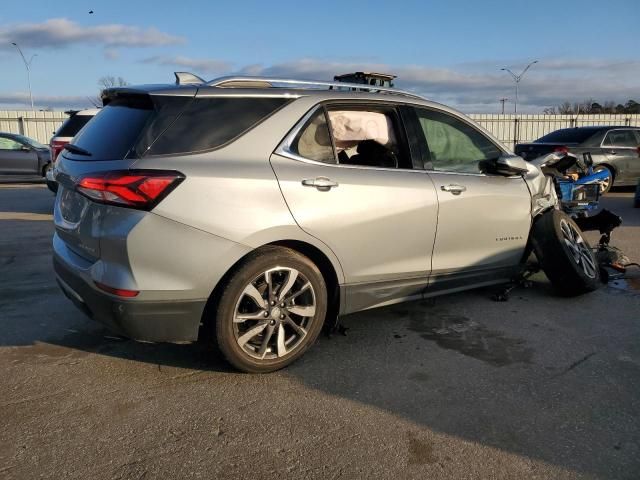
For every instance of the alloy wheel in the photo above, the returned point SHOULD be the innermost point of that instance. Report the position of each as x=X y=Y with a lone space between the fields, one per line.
x=580 y=251
x=273 y=313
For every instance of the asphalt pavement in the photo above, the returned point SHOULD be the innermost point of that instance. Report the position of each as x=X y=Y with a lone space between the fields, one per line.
x=458 y=387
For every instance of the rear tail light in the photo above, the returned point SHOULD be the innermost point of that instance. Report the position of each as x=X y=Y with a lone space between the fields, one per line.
x=141 y=189
x=120 y=292
x=56 y=146
x=561 y=149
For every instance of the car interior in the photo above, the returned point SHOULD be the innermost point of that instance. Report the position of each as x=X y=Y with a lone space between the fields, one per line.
x=361 y=137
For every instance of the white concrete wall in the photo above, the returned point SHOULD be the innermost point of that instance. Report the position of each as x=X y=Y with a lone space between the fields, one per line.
x=37 y=125
x=530 y=127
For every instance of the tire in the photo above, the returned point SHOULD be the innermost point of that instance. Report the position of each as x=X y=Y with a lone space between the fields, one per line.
x=53 y=186
x=564 y=255
x=607 y=186
x=256 y=344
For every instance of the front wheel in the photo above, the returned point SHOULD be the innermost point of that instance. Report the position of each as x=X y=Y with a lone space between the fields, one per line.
x=271 y=310
x=564 y=255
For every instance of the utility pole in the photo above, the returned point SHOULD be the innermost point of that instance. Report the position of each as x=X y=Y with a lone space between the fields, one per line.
x=517 y=79
x=27 y=65
x=502 y=100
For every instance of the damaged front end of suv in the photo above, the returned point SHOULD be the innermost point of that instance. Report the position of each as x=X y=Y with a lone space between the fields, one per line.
x=565 y=191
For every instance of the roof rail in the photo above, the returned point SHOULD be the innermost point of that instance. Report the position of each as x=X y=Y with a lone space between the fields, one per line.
x=268 y=82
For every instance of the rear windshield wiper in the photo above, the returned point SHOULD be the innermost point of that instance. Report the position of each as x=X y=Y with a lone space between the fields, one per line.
x=76 y=149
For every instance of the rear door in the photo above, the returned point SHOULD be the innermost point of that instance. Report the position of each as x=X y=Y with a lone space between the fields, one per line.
x=483 y=219
x=16 y=157
x=347 y=176
x=621 y=149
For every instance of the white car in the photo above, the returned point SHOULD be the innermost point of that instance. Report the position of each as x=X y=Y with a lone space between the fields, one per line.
x=62 y=136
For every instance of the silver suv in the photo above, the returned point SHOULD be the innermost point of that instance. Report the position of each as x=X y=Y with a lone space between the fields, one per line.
x=248 y=211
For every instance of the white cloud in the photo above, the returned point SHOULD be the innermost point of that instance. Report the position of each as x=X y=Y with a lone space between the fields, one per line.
x=19 y=101
x=473 y=87
x=195 y=64
x=62 y=32
x=477 y=87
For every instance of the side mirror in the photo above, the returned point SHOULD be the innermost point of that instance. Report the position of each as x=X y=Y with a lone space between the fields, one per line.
x=24 y=148
x=511 y=165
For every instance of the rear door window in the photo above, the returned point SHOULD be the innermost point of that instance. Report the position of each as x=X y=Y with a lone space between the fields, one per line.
x=360 y=135
x=314 y=140
x=620 y=138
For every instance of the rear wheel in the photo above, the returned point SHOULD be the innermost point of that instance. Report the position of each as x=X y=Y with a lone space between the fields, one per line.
x=564 y=255
x=606 y=185
x=271 y=310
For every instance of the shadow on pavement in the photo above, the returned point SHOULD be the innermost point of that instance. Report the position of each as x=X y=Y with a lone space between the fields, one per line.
x=538 y=376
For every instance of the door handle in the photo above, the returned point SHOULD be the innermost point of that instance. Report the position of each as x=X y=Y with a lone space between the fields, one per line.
x=612 y=152
x=452 y=188
x=323 y=184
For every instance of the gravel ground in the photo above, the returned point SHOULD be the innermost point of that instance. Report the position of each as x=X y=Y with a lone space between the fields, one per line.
x=459 y=387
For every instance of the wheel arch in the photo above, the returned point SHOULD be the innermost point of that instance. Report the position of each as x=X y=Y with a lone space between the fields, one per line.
x=329 y=271
x=610 y=166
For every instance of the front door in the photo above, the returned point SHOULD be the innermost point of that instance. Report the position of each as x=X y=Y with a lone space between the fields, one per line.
x=348 y=180
x=17 y=158
x=483 y=219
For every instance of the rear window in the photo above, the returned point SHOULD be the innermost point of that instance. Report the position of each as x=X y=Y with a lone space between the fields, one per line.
x=136 y=126
x=114 y=131
x=73 y=125
x=209 y=123
x=568 y=135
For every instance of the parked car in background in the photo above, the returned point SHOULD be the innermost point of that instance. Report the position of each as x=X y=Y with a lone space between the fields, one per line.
x=22 y=155
x=615 y=150
x=64 y=134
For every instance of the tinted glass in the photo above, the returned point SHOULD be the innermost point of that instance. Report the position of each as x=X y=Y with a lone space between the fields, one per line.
x=73 y=125
x=314 y=140
x=8 y=144
x=208 y=123
x=30 y=141
x=455 y=146
x=568 y=135
x=114 y=131
x=620 y=138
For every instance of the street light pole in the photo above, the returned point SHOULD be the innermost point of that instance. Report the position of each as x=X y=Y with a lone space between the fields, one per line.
x=502 y=101
x=27 y=65
x=517 y=79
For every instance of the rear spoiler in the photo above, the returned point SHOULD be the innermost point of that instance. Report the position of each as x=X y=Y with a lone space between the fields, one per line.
x=110 y=94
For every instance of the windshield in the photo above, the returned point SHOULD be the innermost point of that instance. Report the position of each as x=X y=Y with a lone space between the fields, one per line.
x=30 y=141
x=568 y=135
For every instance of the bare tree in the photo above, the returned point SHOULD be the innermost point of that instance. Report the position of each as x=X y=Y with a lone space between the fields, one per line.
x=592 y=106
x=105 y=82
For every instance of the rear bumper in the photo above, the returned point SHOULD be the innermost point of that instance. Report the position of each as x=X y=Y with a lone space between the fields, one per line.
x=153 y=321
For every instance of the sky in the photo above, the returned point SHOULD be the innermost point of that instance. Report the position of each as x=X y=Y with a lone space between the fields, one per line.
x=449 y=51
